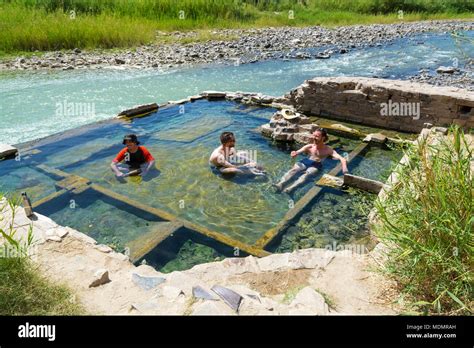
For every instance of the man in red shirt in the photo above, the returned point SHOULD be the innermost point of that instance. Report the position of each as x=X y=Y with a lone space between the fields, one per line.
x=138 y=158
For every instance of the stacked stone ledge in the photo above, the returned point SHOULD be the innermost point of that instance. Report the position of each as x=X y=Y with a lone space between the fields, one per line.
x=359 y=100
x=297 y=128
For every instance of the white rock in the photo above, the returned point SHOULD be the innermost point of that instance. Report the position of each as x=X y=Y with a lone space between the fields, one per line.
x=213 y=94
x=183 y=281
x=211 y=308
x=118 y=256
x=378 y=138
x=240 y=265
x=53 y=238
x=44 y=222
x=253 y=307
x=7 y=150
x=308 y=302
x=61 y=232
x=148 y=271
x=273 y=262
x=446 y=70
x=314 y=258
x=195 y=97
x=81 y=236
x=56 y=231
x=171 y=292
x=103 y=248
x=145 y=307
x=101 y=276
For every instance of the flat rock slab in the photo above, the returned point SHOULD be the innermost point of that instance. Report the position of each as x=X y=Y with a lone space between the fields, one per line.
x=446 y=70
x=213 y=94
x=362 y=183
x=139 y=110
x=146 y=283
x=7 y=151
x=199 y=292
x=230 y=297
x=378 y=138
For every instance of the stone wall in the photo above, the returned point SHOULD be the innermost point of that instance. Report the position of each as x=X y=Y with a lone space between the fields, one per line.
x=391 y=104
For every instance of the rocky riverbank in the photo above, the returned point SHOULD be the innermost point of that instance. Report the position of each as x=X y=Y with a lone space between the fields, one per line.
x=450 y=77
x=238 y=46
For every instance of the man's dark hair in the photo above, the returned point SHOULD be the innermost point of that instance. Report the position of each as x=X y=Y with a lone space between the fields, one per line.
x=130 y=137
x=323 y=132
x=226 y=137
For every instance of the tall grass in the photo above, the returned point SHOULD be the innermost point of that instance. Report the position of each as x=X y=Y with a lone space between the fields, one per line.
x=23 y=290
x=28 y=25
x=427 y=222
x=241 y=9
x=41 y=30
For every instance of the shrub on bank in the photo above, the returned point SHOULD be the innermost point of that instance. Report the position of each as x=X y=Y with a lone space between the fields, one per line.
x=427 y=223
x=23 y=290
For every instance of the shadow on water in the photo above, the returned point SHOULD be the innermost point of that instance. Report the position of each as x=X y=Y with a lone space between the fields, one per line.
x=185 y=249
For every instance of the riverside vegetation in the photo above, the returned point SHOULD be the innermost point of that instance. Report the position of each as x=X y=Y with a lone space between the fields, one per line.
x=29 y=25
x=23 y=289
x=427 y=223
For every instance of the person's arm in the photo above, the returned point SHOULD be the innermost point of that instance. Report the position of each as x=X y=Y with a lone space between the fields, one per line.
x=116 y=171
x=224 y=163
x=150 y=161
x=119 y=158
x=337 y=156
x=149 y=165
x=302 y=150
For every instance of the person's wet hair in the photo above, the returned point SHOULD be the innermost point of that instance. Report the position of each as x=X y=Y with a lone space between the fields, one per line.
x=323 y=132
x=226 y=137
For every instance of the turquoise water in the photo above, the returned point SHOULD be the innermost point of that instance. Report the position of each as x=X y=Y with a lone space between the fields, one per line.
x=340 y=217
x=181 y=141
x=29 y=101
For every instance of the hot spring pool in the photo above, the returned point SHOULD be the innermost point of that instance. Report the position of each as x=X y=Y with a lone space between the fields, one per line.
x=181 y=138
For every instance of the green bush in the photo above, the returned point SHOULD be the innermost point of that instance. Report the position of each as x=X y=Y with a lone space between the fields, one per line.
x=23 y=290
x=427 y=223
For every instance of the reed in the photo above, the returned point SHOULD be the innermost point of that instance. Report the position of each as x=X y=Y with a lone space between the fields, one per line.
x=427 y=222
